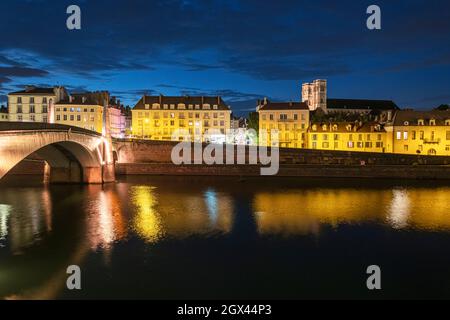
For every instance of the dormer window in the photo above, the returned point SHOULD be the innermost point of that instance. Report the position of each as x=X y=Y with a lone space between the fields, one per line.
x=314 y=127
x=349 y=127
x=406 y=123
x=420 y=122
x=447 y=122
x=324 y=127
x=335 y=127
x=432 y=122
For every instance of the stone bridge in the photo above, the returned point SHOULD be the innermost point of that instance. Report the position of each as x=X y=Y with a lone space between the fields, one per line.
x=73 y=155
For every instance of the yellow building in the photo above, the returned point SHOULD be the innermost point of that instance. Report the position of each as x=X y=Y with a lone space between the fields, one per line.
x=4 y=114
x=34 y=104
x=291 y=119
x=347 y=136
x=158 y=117
x=416 y=132
x=83 y=110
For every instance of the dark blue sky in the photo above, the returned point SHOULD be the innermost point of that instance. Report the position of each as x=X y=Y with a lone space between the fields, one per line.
x=241 y=49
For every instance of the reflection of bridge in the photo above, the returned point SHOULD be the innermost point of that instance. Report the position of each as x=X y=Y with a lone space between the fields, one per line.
x=73 y=155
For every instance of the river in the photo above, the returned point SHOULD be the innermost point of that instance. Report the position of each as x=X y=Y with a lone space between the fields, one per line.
x=207 y=238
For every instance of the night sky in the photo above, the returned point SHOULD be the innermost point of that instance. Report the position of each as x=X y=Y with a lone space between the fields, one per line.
x=242 y=50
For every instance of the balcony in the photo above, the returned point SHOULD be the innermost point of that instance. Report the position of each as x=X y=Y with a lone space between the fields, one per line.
x=432 y=141
x=286 y=120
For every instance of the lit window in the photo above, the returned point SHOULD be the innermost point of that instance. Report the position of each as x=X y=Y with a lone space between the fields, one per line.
x=399 y=135
x=405 y=135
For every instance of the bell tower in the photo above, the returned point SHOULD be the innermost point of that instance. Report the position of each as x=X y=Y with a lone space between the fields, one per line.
x=315 y=94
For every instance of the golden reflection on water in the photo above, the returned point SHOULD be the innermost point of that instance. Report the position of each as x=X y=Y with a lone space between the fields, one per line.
x=302 y=211
x=147 y=220
x=171 y=214
x=106 y=222
x=25 y=219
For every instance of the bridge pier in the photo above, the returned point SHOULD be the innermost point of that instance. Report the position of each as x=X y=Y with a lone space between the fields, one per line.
x=75 y=174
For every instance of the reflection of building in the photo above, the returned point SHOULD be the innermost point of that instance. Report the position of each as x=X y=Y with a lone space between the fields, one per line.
x=158 y=215
x=158 y=117
x=305 y=211
x=34 y=104
x=291 y=119
x=344 y=136
x=415 y=132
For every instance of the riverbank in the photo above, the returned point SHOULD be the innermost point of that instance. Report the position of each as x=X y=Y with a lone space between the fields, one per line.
x=411 y=172
x=436 y=172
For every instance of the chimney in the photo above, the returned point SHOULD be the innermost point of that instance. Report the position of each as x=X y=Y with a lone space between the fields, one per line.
x=389 y=116
x=218 y=100
x=71 y=99
x=265 y=100
x=160 y=99
x=29 y=88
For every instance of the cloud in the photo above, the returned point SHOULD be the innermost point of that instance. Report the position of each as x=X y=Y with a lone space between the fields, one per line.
x=22 y=72
x=228 y=94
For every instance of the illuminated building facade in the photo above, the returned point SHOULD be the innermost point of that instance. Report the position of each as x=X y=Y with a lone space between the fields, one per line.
x=347 y=136
x=158 y=117
x=4 y=114
x=416 y=132
x=85 y=110
x=34 y=104
x=291 y=119
x=315 y=94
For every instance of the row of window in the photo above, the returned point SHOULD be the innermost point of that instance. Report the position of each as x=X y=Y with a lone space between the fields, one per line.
x=431 y=122
x=286 y=127
x=32 y=109
x=172 y=115
x=405 y=135
x=283 y=117
x=168 y=132
x=32 y=118
x=32 y=100
x=72 y=117
x=420 y=149
x=181 y=123
x=181 y=106
x=368 y=137
x=351 y=145
x=75 y=109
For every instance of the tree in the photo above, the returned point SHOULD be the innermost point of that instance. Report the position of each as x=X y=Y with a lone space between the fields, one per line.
x=443 y=107
x=253 y=121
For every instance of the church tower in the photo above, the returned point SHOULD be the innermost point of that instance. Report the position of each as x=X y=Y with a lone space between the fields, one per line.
x=315 y=94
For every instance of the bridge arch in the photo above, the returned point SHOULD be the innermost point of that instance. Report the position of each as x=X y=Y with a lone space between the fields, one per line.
x=73 y=155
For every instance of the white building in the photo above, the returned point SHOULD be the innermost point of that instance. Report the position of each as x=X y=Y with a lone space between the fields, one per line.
x=34 y=104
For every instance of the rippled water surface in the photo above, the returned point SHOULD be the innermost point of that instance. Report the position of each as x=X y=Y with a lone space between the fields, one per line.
x=167 y=237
